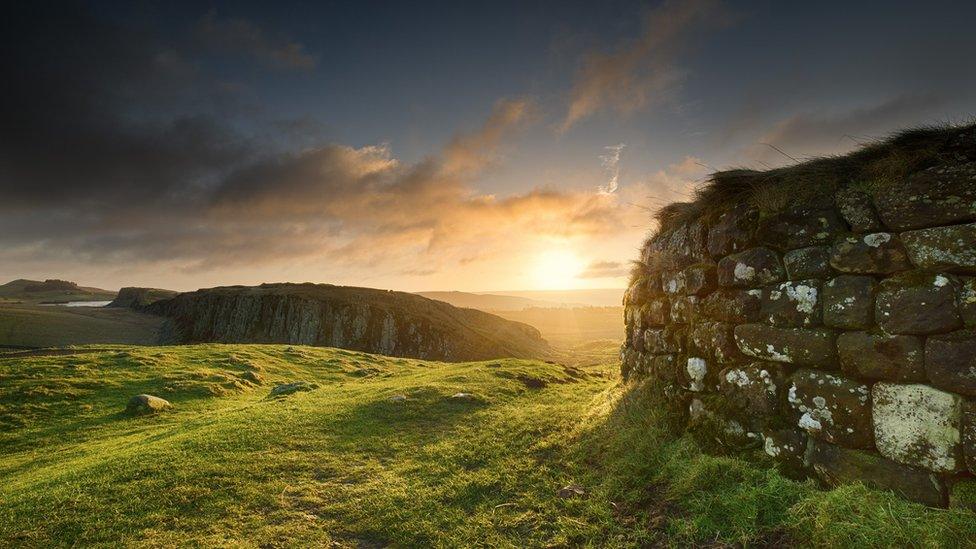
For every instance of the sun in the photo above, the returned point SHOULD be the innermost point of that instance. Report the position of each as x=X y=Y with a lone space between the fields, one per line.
x=557 y=269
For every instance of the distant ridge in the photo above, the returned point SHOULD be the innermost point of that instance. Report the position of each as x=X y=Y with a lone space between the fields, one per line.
x=493 y=302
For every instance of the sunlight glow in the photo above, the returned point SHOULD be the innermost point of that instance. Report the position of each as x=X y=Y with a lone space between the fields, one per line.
x=557 y=270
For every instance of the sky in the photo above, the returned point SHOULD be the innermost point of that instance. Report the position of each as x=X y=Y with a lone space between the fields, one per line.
x=427 y=145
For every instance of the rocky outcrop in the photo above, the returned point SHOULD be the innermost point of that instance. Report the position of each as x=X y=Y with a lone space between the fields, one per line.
x=363 y=319
x=133 y=298
x=833 y=325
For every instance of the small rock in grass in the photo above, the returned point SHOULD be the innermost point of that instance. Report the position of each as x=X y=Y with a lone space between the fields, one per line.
x=398 y=398
x=294 y=387
x=146 y=404
x=463 y=396
x=571 y=491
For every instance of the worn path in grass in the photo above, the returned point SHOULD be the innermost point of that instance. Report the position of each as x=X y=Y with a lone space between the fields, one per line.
x=354 y=463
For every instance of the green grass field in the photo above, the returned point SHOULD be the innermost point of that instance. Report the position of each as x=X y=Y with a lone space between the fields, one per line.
x=352 y=464
x=42 y=326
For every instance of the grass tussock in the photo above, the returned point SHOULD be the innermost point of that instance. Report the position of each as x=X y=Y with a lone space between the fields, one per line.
x=871 y=168
x=383 y=453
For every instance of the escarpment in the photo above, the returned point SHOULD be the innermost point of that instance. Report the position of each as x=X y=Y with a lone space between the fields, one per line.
x=826 y=313
x=363 y=319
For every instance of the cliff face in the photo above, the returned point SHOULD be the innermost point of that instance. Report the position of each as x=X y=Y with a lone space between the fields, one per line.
x=132 y=297
x=363 y=319
x=825 y=312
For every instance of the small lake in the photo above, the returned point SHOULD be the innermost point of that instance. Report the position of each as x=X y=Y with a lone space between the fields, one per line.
x=78 y=304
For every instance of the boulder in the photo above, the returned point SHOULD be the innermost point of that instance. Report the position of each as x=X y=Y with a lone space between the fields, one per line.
x=881 y=356
x=835 y=466
x=858 y=210
x=918 y=303
x=879 y=253
x=832 y=408
x=848 y=302
x=809 y=262
x=940 y=195
x=918 y=425
x=283 y=389
x=750 y=269
x=807 y=225
x=794 y=303
x=800 y=346
x=735 y=306
x=943 y=248
x=950 y=361
x=146 y=404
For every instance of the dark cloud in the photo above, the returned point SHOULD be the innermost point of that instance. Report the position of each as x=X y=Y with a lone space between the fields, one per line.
x=242 y=37
x=605 y=269
x=112 y=152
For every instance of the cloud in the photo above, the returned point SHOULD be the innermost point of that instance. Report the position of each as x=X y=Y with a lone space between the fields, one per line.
x=240 y=36
x=821 y=132
x=645 y=70
x=604 y=269
x=611 y=165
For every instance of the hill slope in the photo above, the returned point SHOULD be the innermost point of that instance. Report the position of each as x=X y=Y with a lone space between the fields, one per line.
x=380 y=453
x=366 y=319
x=41 y=326
x=51 y=291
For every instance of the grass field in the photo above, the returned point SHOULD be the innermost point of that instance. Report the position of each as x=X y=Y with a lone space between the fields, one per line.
x=43 y=326
x=353 y=463
x=567 y=327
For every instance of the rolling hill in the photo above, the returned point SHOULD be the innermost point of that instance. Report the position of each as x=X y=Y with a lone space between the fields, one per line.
x=50 y=291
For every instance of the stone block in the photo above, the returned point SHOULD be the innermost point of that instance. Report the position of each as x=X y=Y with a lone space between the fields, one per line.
x=754 y=391
x=950 y=361
x=943 y=248
x=966 y=299
x=969 y=434
x=881 y=356
x=733 y=232
x=715 y=340
x=858 y=210
x=918 y=425
x=918 y=303
x=788 y=448
x=835 y=466
x=832 y=408
x=700 y=375
x=672 y=283
x=809 y=262
x=663 y=368
x=848 y=302
x=798 y=227
x=735 y=306
x=655 y=312
x=878 y=253
x=800 y=346
x=698 y=279
x=941 y=195
x=683 y=308
x=750 y=269
x=683 y=244
x=660 y=341
x=794 y=303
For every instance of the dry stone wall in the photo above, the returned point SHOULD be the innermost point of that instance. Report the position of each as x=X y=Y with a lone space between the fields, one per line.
x=839 y=335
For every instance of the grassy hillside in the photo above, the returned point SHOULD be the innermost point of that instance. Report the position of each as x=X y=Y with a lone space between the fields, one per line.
x=39 y=326
x=50 y=291
x=353 y=463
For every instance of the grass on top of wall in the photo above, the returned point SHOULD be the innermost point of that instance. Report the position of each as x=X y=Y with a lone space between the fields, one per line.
x=871 y=168
x=350 y=464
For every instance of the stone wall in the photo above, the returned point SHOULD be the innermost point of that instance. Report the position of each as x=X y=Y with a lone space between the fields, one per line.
x=837 y=333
